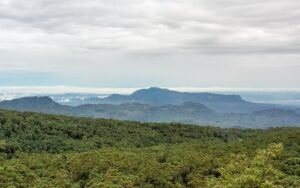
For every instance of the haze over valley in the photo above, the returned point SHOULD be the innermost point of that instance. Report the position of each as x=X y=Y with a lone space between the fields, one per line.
x=164 y=105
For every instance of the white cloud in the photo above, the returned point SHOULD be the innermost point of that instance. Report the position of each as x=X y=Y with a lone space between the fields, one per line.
x=136 y=43
x=135 y=25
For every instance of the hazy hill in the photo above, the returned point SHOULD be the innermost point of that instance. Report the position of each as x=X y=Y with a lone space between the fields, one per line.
x=159 y=97
x=35 y=104
x=187 y=112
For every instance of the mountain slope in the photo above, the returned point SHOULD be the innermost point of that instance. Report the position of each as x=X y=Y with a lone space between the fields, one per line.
x=159 y=97
x=188 y=112
x=35 y=104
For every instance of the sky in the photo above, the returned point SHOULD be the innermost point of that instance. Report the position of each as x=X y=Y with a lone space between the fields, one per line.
x=141 y=43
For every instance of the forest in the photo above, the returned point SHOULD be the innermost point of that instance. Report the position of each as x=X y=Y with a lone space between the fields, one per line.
x=40 y=150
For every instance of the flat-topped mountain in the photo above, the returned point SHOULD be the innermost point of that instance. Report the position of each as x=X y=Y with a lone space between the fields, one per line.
x=158 y=97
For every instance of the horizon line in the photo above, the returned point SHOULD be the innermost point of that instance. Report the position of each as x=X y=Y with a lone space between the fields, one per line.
x=61 y=89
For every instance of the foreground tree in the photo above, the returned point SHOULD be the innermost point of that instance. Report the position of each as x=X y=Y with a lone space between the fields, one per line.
x=257 y=172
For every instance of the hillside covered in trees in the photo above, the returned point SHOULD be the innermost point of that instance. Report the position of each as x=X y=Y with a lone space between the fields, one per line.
x=39 y=150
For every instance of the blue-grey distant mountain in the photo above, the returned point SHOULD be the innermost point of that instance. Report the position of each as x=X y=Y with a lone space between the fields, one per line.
x=159 y=97
x=187 y=112
x=36 y=104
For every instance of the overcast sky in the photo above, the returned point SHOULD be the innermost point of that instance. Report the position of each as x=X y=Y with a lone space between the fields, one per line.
x=140 y=43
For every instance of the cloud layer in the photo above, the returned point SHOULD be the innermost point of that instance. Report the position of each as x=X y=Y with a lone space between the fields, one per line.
x=138 y=43
x=218 y=26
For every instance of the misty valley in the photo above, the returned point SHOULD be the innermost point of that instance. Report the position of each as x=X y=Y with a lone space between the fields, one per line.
x=163 y=105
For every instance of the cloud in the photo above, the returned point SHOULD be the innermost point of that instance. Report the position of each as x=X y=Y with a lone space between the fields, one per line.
x=138 y=43
x=204 y=26
x=46 y=90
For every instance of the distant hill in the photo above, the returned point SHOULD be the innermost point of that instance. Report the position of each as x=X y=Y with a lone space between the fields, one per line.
x=158 y=97
x=187 y=112
x=35 y=104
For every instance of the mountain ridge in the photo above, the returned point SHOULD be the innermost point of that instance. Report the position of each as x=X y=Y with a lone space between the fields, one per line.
x=158 y=97
x=188 y=112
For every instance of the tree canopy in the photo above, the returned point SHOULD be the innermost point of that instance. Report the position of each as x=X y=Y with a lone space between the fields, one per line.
x=39 y=150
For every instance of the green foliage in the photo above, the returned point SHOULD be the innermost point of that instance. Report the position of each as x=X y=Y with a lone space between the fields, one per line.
x=35 y=132
x=7 y=150
x=257 y=172
x=38 y=150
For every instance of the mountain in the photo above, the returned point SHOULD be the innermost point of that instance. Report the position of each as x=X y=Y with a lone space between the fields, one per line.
x=129 y=111
x=187 y=112
x=35 y=104
x=159 y=97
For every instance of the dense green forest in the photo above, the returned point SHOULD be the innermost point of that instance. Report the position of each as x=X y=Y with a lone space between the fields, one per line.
x=39 y=150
